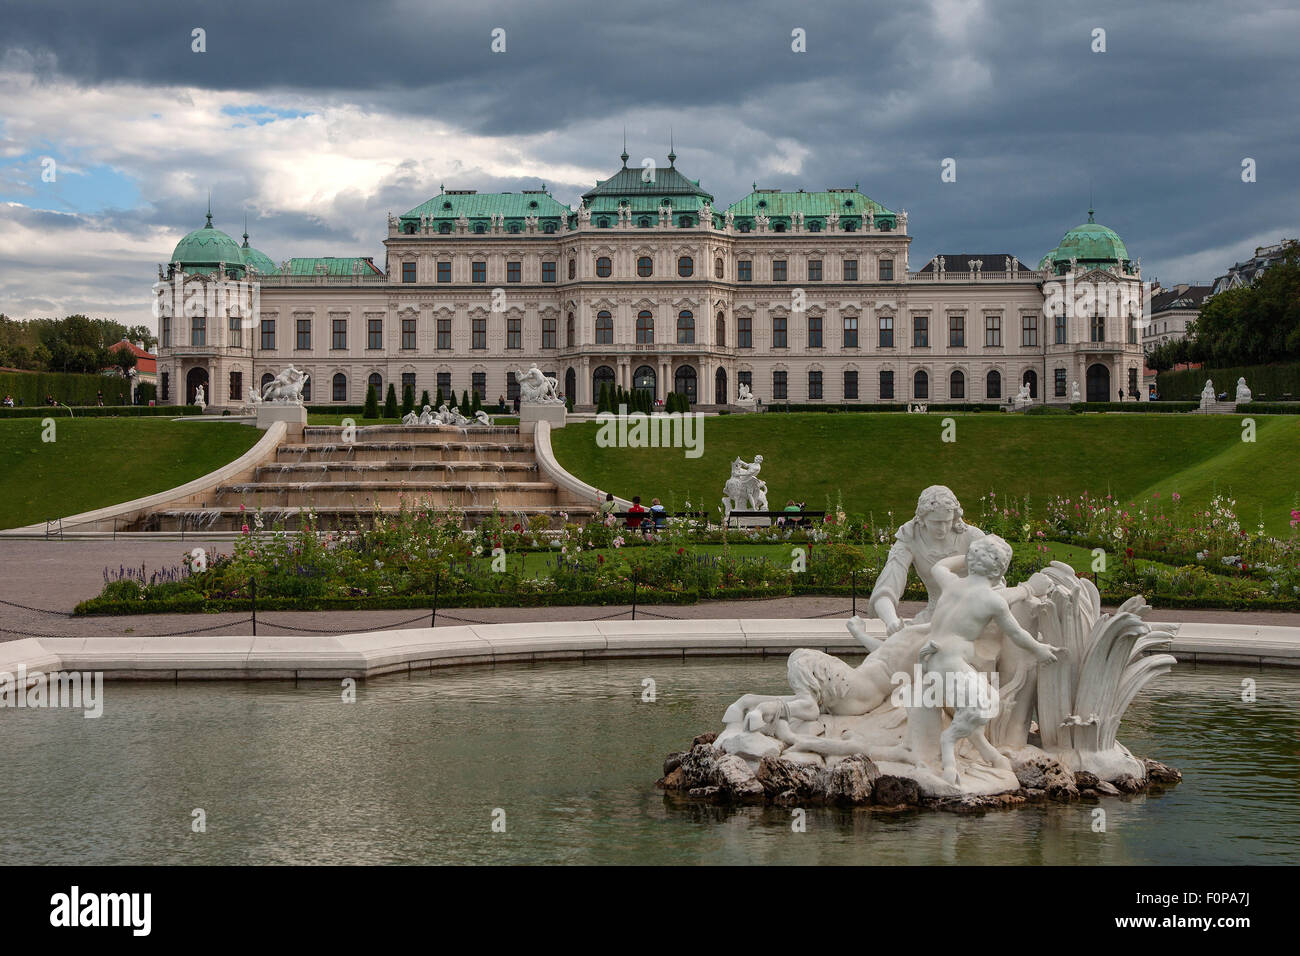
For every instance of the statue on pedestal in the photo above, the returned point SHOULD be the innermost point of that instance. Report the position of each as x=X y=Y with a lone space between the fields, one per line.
x=744 y=486
x=1243 y=392
x=535 y=388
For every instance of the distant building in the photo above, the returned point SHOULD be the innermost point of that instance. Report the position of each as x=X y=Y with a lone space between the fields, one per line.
x=1243 y=273
x=146 y=363
x=1172 y=310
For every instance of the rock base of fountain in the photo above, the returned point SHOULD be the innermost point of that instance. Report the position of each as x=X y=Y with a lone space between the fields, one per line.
x=708 y=774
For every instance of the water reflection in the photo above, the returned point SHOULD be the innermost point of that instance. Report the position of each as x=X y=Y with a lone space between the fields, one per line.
x=413 y=771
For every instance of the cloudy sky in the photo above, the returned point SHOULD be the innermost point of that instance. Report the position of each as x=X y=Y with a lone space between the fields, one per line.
x=314 y=119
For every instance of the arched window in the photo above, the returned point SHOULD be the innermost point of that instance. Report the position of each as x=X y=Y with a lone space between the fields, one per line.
x=514 y=227
x=685 y=383
x=643 y=222
x=267 y=379
x=920 y=385
x=956 y=385
x=604 y=375
x=685 y=327
x=685 y=222
x=377 y=381
x=444 y=228
x=571 y=385
x=1031 y=379
x=778 y=227
x=340 y=391
x=602 y=223
x=850 y=225
x=306 y=390
x=603 y=267
x=721 y=332
x=645 y=267
x=717 y=268
x=814 y=225
x=573 y=268
x=549 y=227
x=604 y=328
x=744 y=227
x=993 y=384
x=685 y=267
x=568 y=331
x=645 y=380
x=645 y=328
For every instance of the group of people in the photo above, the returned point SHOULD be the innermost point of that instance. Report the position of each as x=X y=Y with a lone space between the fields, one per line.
x=638 y=517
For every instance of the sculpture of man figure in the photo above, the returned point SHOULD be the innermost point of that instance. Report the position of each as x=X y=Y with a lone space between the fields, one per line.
x=965 y=607
x=410 y=418
x=536 y=388
x=744 y=485
x=936 y=532
x=1074 y=391
x=1207 y=393
x=199 y=398
x=427 y=417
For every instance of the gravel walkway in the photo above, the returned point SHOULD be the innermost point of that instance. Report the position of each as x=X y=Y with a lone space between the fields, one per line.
x=54 y=575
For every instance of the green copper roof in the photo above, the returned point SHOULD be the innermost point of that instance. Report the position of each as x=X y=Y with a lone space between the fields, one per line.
x=334 y=266
x=255 y=259
x=781 y=206
x=1090 y=243
x=483 y=206
x=204 y=249
x=630 y=187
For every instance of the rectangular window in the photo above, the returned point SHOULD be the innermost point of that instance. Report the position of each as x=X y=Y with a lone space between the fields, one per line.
x=514 y=271
x=956 y=331
x=886 y=270
x=921 y=331
x=744 y=332
x=814 y=384
x=778 y=270
x=479 y=272
x=374 y=333
x=850 y=385
x=514 y=334
x=814 y=331
x=1060 y=383
x=444 y=384
x=745 y=270
x=548 y=271
x=1029 y=330
x=1132 y=332
x=478 y=334
x=444 y=333
x=548 y=331
x=851 y=331
x=408 y=333
x=778 y=332
x=268 y=335
x=992 y=331
x=814 y=270
x=235 y=331
x=1097 y=329
x=198 y=330
x=887 y=385
x=165 y=380
x=1059 y=321
x=236 y=388
x=408 y=271
x=512 y=389
x=850 y=270
x=778 y=386
x=302 y=341
x=444 y=271
x=165 y=340
x=886 y=331
x=1133 y=383
x=340 y=334
x=478 y=383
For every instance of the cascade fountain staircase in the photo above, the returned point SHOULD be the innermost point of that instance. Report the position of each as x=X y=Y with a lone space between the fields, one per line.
x=474 y=470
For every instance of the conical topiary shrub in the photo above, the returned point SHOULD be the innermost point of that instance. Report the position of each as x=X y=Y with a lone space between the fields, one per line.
x=372 y=403
x=390 y=402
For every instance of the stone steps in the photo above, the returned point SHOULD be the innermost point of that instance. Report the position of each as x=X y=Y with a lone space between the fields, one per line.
x=352 y=516
x=387 y=471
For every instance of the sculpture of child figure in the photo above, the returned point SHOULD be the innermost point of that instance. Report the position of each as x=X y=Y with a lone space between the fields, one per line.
x=966 y=606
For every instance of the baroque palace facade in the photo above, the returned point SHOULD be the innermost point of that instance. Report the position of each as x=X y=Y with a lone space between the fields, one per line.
x=803 y=296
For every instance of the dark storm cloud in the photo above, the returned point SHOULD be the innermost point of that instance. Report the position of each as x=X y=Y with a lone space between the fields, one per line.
x=1154 y=129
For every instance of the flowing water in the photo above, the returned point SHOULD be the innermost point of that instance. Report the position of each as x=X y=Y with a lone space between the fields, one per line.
x=414 y=770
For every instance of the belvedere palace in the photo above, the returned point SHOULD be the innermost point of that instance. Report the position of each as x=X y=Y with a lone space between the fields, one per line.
x=806 y=297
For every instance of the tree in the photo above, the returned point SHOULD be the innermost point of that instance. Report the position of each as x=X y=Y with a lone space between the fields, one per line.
x=475 y=405
x=124 y=359
x=464 y=402
x=424 y=398
x=372 y=403
x=390 y=402
x=438 y=399
x=408 y=399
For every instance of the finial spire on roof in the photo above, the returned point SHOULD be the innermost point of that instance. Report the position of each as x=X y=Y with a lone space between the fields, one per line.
x=672 y=152
x=245 y=231
x=209 y=225
x=623 y=155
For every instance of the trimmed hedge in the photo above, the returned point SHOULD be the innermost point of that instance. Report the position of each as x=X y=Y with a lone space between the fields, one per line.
x=1144 y=408
x=97 y=411
x=1269 y=408
x=67 y=388
x=1273 y=381
x=883 y=407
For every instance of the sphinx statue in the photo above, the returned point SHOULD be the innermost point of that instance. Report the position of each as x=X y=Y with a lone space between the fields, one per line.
x=1243 y=392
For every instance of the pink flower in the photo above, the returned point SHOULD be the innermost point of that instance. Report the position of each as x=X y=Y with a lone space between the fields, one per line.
x=244 y=529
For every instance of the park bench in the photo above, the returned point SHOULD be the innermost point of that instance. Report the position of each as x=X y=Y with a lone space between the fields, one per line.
x=790 y=517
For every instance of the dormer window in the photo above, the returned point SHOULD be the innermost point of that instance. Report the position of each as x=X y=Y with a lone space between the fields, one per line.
x=744 y=227
x=602 y=223
x=815 y=225
x=778 y=227
x=409 y=229
x=444 y=228
x=762 y=204
x=480 y=228
x=532 y=204
x=446 y=205
x=549 y=227
x=848 y=204
x=643 y=223
x=514 y=227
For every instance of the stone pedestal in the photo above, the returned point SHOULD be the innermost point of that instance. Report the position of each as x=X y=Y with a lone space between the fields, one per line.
x=530 y=415
x=294 y=415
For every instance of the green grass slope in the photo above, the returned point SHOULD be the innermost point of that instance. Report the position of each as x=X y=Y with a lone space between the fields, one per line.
x=879 y=462
x=96 y=462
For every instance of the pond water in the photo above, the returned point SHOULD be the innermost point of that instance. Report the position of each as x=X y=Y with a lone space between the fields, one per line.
x=413 y=771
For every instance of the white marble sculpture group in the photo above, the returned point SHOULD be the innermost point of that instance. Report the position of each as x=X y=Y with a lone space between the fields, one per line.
x=744 y=490
x=199 y=398
x=285 y=389
x=745 y=398
x=537 y=388
x=1243 y=392
x=986 y=675
x=1022 y=399
x=445 y=416
x=1074 y=392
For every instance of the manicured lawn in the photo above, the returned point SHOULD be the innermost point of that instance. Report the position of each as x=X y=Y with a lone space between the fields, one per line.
x=95 y=462
x=879 y=462
x=324 y=419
